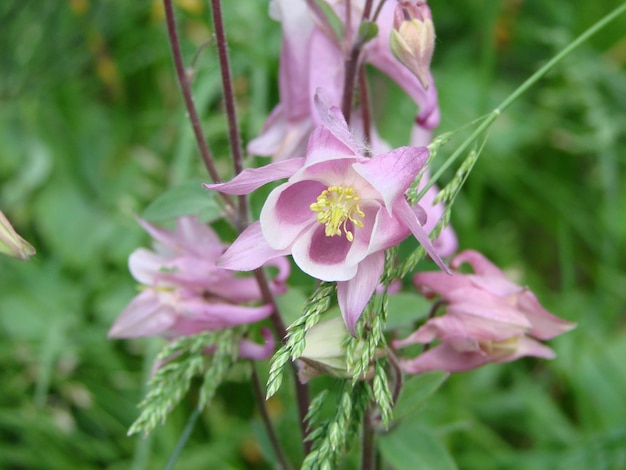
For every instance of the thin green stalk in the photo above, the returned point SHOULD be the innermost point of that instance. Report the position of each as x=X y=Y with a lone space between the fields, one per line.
x=534 y=78
x=267 y=422
x=231 y=108
x=368 y=450
x=184 y=437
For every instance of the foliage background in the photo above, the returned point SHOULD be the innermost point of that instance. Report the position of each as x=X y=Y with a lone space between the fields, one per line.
x=92 y=129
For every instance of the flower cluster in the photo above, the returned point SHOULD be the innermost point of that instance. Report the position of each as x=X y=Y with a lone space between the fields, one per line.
x=313 y=57
x=343 y=203
x=185 y=293
x=488 y=319
x=337 y=213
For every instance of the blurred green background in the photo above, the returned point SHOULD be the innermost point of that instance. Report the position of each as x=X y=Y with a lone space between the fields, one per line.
x=92 y=129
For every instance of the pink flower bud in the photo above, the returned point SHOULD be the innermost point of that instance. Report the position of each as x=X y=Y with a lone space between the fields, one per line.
x=412 y=39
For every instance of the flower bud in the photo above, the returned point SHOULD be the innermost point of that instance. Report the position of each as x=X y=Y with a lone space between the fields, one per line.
x=324 y=352
x=412 y=38
x=11 y=243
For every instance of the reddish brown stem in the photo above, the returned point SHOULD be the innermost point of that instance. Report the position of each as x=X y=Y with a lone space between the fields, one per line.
x=185 y=87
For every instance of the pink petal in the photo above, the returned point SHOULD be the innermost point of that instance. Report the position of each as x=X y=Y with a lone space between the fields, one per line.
x=479 y=263
x=144 y=265
x=323 y=257
x=544 y=324
x=253 y=178
x=249 y=251
x=495 y=285
x=325 y=73
x=385 y=232
x=404 y=212
x=353 y=295
x=444 y=357
x=199 y=315
x=529 y=347
x=144 y=316
x=282 y=139
x=392 y=173
x=272 y=134
x=333 y=119
x=286 y=212
x=297 y=28
x=250 y=350
x=324 y=145
x=438 y=283
x=479 y=303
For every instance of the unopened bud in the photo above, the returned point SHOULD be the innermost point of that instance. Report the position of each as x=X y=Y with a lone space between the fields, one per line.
x=412 y=38
x=324 y=352
x=11 y=243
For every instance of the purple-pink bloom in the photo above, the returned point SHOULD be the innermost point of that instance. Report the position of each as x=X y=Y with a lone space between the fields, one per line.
x=184 y=292
x=336 y=214
x=488 y=319
x=312 y=57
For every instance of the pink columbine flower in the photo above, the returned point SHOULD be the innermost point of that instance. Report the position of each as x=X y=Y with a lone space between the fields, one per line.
x=184 y=292
x=488 y=319
x=337 y=213
x=313 y=57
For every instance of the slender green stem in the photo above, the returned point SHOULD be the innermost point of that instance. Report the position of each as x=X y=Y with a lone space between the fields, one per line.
x=183 y=439
x=368 y=450
x=260 y=398
x=351 y=66
x=185 y=87
x=231 y=108
x=534 y=78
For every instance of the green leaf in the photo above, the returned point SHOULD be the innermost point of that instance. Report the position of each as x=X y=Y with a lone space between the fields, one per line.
x=186 y=199
x=368 y=30
x=416 y=391
x=330 y=22
x=405 y=309
x=414 y=446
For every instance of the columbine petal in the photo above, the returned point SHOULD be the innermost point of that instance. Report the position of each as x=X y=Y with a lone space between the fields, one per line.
x=333 y=119
x=353 y=295
x=287 y=212
x=404 y=212
x=250 y=350
x=253 y=178
x=480 y=264
x=249 y=251
x=144 y=316
x=392 y=173
x=323 y=145
x=544 y=324
x=199 y=316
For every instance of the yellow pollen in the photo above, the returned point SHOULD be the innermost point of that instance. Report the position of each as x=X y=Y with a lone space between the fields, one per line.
x=336 y=206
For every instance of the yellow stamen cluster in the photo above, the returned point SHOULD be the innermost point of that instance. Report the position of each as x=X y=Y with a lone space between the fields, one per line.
x=336 y=206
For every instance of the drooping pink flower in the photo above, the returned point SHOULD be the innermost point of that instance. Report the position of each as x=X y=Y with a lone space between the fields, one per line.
x=337 y=213
x=184 y=292
x=312 y=57
x=488 y=319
